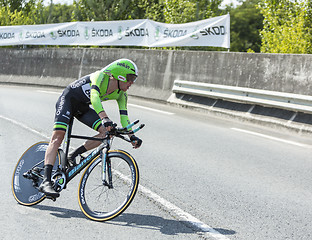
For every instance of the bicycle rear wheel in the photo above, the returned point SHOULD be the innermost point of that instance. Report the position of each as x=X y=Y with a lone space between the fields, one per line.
x=101 y=203
x=28 y=175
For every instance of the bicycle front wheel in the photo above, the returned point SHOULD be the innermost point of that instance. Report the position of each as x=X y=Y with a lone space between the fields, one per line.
x=101 y=202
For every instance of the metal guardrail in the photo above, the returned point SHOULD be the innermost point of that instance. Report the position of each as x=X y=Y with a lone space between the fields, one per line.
x=288 y=101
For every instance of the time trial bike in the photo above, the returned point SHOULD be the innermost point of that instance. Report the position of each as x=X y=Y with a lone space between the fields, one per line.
x=107 y=186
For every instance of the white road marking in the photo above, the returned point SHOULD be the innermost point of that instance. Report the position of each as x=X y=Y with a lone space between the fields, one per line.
x=272 y=138
x=52 y=92
x=182 y=215
x=173 y=209
x=176 y=211
x=151 y=109
x=24 y=126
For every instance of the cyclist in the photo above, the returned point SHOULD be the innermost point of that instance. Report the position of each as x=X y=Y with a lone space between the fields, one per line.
x=110 y=83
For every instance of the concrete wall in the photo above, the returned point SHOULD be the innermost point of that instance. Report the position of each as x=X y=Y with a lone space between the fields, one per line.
x=158 y=69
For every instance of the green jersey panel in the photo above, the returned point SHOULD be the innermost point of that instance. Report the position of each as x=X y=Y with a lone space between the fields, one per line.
x=99 y=85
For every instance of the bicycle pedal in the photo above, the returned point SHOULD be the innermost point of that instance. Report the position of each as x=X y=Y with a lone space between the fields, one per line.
x=27 y=175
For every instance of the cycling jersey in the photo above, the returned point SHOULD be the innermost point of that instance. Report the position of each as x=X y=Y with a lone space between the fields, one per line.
x=77 y=97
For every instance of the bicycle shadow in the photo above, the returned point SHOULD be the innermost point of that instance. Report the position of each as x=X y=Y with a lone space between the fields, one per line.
x=132 y=220
x=165 y=226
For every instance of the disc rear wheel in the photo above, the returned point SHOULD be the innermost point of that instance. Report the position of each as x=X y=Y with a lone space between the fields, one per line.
x=28 y=175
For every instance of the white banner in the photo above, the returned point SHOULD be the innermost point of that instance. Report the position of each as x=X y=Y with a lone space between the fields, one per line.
x=210 y=32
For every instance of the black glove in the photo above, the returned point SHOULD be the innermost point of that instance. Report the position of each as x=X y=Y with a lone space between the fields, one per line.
x=107 y=122
x=135 y=138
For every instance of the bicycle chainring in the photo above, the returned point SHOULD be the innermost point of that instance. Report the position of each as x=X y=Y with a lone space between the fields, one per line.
x=59 y=181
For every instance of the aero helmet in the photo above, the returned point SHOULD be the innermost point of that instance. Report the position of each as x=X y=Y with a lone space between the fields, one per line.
x=122 y=69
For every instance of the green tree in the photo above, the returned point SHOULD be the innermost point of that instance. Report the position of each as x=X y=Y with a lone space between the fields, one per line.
x=308 y=23
x=87 y=10
x=98 y=10
x=151 y=9
x=286 y=26
x=179 y=11
x=13 y=5
x=246 y=24
x=58 y=13
x=182 y=11
x=20 y=12
x=169 y=11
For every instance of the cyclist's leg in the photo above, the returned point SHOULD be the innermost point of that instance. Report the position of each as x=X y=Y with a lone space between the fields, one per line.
x=50 y=156
x=55 y=143
x=63 y=115
x=91 y=119
x=89 y=144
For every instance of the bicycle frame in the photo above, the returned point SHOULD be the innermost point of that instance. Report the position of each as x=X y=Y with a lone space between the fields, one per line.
x=71 y=172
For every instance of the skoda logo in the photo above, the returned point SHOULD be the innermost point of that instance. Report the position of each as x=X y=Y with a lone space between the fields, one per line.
x=86 y=33
x=195 y=35
x=53 y=35
x=119 y=32
x=157 y=33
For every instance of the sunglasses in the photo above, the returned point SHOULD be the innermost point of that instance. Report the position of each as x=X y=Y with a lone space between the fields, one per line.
x=131 y=77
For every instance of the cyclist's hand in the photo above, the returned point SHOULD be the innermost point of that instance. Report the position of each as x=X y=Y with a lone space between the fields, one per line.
x=136 y=142
x=107 y=123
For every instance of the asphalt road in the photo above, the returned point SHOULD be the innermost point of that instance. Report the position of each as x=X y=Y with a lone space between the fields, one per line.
x=201 y=176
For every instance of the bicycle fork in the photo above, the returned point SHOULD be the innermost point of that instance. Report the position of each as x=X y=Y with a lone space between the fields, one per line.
x=106 y=165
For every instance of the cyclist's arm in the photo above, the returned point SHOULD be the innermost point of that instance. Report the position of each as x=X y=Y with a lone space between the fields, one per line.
x=123 y=111
x=96 y=80
x=124 y=120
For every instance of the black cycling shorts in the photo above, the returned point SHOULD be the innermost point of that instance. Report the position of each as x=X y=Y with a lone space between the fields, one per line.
x=68 y=106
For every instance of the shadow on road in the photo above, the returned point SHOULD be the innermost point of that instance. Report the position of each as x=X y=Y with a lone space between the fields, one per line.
x=156 y=223
x=61 y=212
x=165 y=226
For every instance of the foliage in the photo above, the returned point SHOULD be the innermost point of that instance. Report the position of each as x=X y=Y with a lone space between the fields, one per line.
x=182 y=11
x=286 y=26
x=98 y=10
x=169 y=11
x=16 y=12
x=58 y=13
x=152 y=9
x=246 y=23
